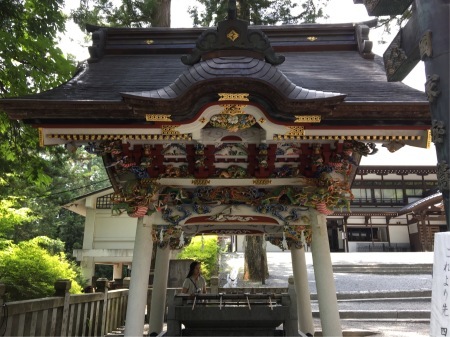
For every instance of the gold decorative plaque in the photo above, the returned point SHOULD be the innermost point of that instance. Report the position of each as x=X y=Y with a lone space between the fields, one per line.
x=232 y=109
x=262 y=181
x=169 y=130
x=232 y=35
x=41 y=137
x=201 y=182
x=296 y=131
x=233 y=97
x=308 y=119
x=158 y=118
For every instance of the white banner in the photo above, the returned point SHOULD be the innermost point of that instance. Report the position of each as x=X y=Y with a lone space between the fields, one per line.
x=440 y=298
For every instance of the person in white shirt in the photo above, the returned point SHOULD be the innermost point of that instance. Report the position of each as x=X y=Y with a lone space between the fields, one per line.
x=194 y=282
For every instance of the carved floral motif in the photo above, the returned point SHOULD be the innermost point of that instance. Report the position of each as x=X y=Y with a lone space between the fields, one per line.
x=232 y=123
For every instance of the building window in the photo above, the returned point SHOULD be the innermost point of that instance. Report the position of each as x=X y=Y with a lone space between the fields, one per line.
x=104 y=202
x=362 y=234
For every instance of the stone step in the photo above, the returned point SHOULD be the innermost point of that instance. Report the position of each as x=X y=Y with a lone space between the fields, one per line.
x=378 y=268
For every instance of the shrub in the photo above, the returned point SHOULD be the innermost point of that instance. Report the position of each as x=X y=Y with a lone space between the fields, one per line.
x=30 y=271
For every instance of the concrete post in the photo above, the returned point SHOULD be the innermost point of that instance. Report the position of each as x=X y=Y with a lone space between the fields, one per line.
x=214 y=285
x=158 y=306
x=117 y=271
x=304 y=311
x=323 y=273
x=137 y=296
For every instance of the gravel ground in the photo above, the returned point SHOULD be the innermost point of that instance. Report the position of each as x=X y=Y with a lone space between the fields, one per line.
x=280 y=268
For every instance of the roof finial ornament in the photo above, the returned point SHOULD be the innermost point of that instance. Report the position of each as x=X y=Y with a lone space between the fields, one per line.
x=231 y=9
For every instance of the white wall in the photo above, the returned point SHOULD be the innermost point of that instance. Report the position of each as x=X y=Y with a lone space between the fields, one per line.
x=113 y=232
x=398 y=234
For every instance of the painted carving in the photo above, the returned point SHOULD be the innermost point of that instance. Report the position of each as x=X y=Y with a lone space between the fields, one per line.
x=233 y=171
x=394 y=56
x=316 y=158
x=200 y=157
x=147 y=158
x=364 y=149
x=232 y=123
x=443 y=175
x=174 y=150
x=437 y=131
x=175 y=171
x=286 y=171
x=425 y=45
x=231 y=149
x=432 y=87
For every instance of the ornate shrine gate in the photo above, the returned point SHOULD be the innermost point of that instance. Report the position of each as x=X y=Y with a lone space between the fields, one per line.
x=232 y=138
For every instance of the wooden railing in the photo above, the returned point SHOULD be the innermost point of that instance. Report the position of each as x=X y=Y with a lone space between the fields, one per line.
x=93 y=314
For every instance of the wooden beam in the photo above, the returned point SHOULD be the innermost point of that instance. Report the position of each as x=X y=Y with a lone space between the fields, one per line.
x=403 y=53
x=384 y=7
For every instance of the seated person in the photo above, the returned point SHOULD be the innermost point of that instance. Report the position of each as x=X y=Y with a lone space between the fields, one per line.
x=194 y=283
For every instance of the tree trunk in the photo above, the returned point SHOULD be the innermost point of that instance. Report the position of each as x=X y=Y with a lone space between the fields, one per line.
x=254 y=254
x=161 y=14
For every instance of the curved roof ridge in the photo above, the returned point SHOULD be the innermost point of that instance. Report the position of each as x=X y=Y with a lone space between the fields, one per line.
x=235 y=67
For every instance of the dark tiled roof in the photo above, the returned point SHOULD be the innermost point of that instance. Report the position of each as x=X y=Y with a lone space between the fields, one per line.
x=236 y=67
x=343 y=72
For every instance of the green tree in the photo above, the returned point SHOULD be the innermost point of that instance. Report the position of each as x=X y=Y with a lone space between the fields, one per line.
x=30 y=62
x=30 y=269
x=259 y=12
x=127 y=13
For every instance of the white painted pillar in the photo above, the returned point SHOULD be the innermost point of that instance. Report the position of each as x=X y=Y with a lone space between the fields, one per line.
x=158 y=304
x=87 y=262
x=304 y=311
x=323 y=273
x=88 y=269
x=137 y=296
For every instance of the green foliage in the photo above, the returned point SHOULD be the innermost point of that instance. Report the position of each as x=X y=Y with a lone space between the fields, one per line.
x=206 y=250
x=259 y=12
x=30 y=61
x=126 y=13
x=29 y=270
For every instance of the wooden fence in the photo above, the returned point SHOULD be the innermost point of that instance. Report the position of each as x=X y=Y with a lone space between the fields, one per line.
x=93 y=314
